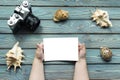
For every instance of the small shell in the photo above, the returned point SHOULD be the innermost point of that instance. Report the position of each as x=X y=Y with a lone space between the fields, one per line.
x=60 y=15
x=106 y=53
x=14 y=57
x=102 y=18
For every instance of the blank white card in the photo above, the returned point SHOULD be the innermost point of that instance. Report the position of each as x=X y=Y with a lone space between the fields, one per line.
x=60 y=49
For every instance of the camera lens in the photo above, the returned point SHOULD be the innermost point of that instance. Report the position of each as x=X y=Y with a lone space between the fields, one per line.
x=32 y=22
x=25 y=3
x=10 y=22
x=16 y=16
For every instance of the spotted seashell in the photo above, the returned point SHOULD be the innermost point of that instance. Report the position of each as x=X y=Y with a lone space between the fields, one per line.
x=60 y=15
x=106 y=53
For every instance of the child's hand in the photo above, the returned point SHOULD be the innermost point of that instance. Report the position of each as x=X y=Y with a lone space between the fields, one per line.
x=81 y=51
x=39 y=52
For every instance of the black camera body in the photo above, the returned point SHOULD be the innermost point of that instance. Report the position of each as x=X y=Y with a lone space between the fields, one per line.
x=23 y=18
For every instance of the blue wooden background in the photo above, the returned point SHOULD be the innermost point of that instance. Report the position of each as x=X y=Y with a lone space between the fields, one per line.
x=78 y=25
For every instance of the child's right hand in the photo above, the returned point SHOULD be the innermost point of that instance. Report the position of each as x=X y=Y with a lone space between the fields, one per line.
x=81 y=51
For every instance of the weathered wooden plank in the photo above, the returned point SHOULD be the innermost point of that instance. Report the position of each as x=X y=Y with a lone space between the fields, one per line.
x=64 y=72
x=30 y=40
x=74 y=12
x=95 y=71
x=64 y=2
x=70 y=26
x=93 y=57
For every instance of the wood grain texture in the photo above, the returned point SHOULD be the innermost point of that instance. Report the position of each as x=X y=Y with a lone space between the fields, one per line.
x=30 y=40
x=78 y=25
x=65 y=72
x=93 y=57
x=74 y=12
x=70 y=26
x=113 y=3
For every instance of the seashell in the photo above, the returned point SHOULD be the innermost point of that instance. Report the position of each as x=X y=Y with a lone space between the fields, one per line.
x=102 y=18
x=14 y=57
x=106 y=53
x=60 y=15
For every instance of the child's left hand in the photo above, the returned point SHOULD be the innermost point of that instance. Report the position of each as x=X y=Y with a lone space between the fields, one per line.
x=40 y=52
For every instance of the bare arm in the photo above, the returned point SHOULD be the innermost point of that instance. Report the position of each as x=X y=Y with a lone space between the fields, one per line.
x=37 y=72
x=81 y=72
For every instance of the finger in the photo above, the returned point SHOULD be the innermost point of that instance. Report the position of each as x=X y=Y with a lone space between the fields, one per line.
x=37 y=45
x=80 y=46
x=42 y=45
x=83 y=44
x=83 y=47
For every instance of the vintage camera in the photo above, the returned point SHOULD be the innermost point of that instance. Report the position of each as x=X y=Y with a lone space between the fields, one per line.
x=23 y=18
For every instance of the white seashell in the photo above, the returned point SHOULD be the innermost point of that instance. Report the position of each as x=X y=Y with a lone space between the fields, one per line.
x=102 y=18
x=14 y=56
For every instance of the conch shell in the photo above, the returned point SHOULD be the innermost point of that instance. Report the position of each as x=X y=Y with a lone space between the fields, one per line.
x=14 y=57
x=60 y=15
x=106 y=53
x=102 y=18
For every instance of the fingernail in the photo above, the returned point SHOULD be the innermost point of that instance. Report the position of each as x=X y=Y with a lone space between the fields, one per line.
x=83 y=43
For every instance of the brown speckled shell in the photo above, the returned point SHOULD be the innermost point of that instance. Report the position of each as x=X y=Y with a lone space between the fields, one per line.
x=106 y=53
x=60 y=15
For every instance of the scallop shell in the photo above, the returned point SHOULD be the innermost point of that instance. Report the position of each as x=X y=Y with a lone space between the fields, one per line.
x=102 y=18
x=60 y=15
x=14 y=57
x=106 y=53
